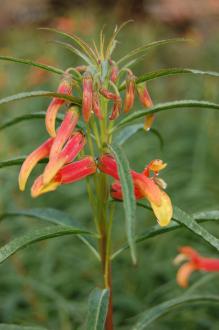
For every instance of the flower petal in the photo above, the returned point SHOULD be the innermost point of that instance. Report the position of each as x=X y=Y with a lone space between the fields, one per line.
x=184 y=273
x=30 y=162
x=67 y=155
x=164 y=211
x=65 y=131
x=39 y=188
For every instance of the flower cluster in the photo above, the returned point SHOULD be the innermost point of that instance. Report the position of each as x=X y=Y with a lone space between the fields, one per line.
x=145 y=186
x=194 y=262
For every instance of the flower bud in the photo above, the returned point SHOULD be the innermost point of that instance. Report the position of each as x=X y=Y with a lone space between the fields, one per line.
x=31 y=161
x=144 y=96
x=116 y=109
x=96 y=106
x=114 y=73
x=87 y=99
x=130 y=93
x=65 y=87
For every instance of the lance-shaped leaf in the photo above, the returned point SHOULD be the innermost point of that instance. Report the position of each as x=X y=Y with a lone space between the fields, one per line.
x=169 y=72
x=32 y=116
x=27 y=95
x=97 y=309
x=156 y=312
x=80 y=42
x=128 y=195
x=128 y=131
x=37 y=235
x=32 y=63
x=4 y=326
x=167 y=106
x=135 y=52
x=157 y=230
x=56 y=217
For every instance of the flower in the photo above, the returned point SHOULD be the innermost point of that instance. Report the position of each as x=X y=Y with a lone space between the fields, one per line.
x=68 y=174
x=61 y=151
x=147 y=102
x=65 y=87
x=87 y=99
x=194 y=262
x=144 y=186
x=130 y=93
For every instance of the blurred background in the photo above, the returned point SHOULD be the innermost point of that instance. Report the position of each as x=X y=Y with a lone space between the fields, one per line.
x=48 y=283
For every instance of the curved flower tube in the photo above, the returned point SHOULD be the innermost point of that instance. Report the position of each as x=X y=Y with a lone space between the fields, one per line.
x=144 y=187
x=65 y=87
x=194 y=262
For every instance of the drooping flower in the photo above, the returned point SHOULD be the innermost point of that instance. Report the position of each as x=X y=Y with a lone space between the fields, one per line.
x=130 y=93
x=144 y=187
x=96 y=106
x=68 y=174
x=31 y=161
x=72 y=148
x=147 y=102
x=87 y=99
x=194 y=262
x=65 y=87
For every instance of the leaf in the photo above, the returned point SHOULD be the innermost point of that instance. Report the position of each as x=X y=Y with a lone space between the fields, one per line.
x=170 y=72
x=185 y=219
x=16 y=161
x=74 y=50
x=80 y=42
x=97 y=309
x=156 y=312
x=32 y=116
x=37 y=235
x=56 y=217
x=26 y=95
x=32 y=63
x=143 y=48
x=12 y=161
x=157 y=230
x=167 y=106
x=130 y=130
x=4 y=326
x=128 y=196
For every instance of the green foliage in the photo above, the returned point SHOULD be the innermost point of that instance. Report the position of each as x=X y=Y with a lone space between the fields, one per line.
x=97 y=309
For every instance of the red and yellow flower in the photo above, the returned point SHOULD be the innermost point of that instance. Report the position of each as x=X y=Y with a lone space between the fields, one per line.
x=194 y=262
x=144 y=186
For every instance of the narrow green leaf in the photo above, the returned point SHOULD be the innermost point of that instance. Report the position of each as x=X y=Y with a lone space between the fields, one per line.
x=32 y=63
x=185 y=219
x=33 y=116
x=74 y=50
x=16 y=161
x=12 y=161
x=26 y=95
x=80 y=42
x=4 y=326
x=56 y=217
x=169 y=72
x=37 y=235
x=156 y=312
x=128 y=195
x=128 y=131
x=167 y=106
x=157 y=230
x=135 y=52
x=97 y=309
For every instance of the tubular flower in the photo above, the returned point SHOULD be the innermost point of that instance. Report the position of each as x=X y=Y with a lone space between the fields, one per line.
x=144 y=187
x=72 y=148
x=147 y=102
x=194 y=262
x=130 y=93
x=96 y=106
x=87 y=99
x=68 y=174
x=31 y=161
x=65 y=130
x=114 y=73
x=65 y=87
